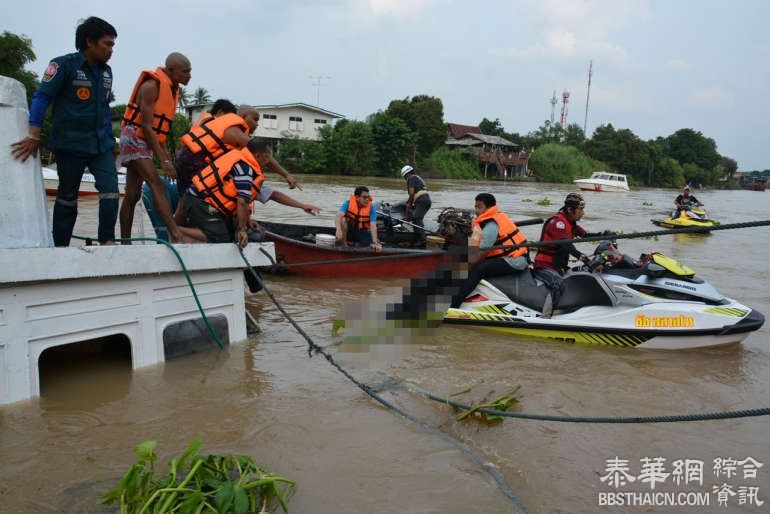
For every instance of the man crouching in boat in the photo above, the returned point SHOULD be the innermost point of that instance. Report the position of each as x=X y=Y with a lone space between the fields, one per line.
x=356 y=221
x=218 y=202
x=491 y=228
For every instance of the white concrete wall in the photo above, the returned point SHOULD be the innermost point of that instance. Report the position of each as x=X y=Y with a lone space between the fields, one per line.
x=309 y=127
x=24 y=220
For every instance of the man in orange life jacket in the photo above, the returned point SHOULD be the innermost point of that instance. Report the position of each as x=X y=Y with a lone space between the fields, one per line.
x=146 y=125
x=563 y=225
x=356 y=221
x=491 y=228
x=218 y=202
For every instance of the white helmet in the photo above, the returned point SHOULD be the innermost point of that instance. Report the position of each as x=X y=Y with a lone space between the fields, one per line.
x=406 y=169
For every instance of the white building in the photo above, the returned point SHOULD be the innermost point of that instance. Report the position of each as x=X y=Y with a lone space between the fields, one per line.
x=276 y=122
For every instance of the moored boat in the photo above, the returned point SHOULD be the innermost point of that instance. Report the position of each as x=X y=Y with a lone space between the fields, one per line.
x=603 y=181
x=302 y=249
x=87 y=184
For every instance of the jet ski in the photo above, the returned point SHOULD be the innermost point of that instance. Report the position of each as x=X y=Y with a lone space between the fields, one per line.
x=651 y=303
x=695 y=217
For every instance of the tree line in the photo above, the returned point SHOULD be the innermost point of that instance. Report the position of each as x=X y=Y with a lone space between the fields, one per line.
x=413 y=130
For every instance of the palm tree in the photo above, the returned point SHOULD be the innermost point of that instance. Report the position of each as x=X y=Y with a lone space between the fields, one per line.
x=184 y=98
x=201 y=96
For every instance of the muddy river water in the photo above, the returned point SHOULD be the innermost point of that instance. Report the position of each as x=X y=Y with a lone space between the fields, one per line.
x=302 y=419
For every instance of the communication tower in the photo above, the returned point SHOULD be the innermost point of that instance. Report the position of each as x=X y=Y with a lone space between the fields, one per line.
x=564 y=102
x=554 y=101
x=588 y=96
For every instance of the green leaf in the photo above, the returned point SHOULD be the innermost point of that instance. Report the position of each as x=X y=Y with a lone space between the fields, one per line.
x=224 y=497
x=191 y=503
x=192 y=449
x=241 y=500
x=146 y=450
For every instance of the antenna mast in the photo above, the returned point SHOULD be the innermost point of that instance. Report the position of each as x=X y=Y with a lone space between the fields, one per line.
x=588 y=96
x=564 y=102
x=553 y=106
x=317 y=83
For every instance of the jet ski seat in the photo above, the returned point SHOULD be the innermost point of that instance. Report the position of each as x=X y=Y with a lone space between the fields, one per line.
x=580 y=289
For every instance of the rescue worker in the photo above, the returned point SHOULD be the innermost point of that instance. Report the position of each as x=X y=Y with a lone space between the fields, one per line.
x=79 y=85
x=214 y=136
x=218 y=202
x=491 y=228
x=146 y=125
x=684 y=202
x=563 y=225
x=418 y=202
x=356 y=221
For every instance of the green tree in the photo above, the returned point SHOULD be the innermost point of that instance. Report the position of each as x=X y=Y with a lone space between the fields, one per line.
x=184 y=98
x=201 y=96
x=15 y=53
x=349 y=148
x=669 y=173
x=424 y=115
x=302 y=155
x=690 y=146
x=554 y=162
x=179 y=127
x=459 y=163
x=623 y=151
x=574 y=135
x=393 y=140
x=728 y=166
x=492 y=128
x=544 y=134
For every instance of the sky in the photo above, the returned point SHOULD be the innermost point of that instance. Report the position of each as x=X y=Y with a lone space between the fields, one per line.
x=658 y=65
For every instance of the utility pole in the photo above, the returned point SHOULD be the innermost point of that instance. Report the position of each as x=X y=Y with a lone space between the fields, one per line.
x=588 y=96
x=553 y=106
x=317 y=83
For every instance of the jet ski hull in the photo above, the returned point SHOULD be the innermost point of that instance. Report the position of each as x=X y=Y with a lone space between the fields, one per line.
x=615 y=310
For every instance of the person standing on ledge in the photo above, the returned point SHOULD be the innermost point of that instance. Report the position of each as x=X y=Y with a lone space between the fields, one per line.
x=79 y=87
x=418 y=203
x=146 y=125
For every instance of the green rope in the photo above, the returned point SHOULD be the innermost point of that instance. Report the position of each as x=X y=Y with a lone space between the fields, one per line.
x=186 y=275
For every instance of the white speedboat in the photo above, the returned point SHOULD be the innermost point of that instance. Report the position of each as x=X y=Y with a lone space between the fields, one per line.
x=603 y=181
x=87 y=184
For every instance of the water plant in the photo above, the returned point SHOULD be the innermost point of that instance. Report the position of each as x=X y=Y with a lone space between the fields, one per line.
x=544 y=202
x=198 y=484
x=527 y=200
x=488 y=401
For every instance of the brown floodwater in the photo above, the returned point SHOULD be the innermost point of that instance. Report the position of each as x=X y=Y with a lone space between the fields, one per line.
x=302 y=419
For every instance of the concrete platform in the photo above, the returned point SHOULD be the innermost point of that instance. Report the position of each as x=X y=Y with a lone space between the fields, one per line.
x=57 y=296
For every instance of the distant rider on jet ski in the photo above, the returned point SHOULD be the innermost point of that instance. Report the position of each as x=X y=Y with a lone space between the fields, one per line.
x=684 y=202
x=491 y=228
x=563 y=225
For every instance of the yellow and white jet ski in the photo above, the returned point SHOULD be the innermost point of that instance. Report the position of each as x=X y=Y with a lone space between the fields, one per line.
x=660 y=304
x=695 y=217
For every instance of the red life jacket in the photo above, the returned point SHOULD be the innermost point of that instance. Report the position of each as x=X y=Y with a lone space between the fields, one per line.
x=359 y=217
x=165 y=105
x=207 y=138
x=556 y=256
x=507 y=234
x=215 y=184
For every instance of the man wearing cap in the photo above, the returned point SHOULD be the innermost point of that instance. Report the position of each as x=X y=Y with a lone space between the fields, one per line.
x=418 y=203
x=684 y=202
x=563 y=225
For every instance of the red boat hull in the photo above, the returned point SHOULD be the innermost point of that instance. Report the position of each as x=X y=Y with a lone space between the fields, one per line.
x=352 y=262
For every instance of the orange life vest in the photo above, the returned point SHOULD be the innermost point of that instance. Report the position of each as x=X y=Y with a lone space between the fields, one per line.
x=202 y=118
x=207 y=138
x=165 y=105
x=360 y=217
x=215 y=184
x=507 y=233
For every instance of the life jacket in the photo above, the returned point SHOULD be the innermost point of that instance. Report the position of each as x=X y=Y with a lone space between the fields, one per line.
x=165 y=105
x=507 y=234
x=359 y=217
x=215 y=185
x=202 y=118
x=207 y=138
x=555 y=256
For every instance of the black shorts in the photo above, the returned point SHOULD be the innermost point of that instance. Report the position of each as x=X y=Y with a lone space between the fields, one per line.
x=217 y=227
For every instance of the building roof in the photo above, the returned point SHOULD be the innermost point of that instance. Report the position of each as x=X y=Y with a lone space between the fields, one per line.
x=458 y=131
x=300 y=104
x=478 y=139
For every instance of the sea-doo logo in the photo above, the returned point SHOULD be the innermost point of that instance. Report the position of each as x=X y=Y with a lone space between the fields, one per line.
x=676 y=284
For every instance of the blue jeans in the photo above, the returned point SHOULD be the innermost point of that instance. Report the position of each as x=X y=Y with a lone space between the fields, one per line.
x=70 y=169
x=172 y=195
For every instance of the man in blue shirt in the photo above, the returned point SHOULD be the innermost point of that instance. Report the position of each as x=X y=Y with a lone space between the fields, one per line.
x=356 y=221
x=79 y=86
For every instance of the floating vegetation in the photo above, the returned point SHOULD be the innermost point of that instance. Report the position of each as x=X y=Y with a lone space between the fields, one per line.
x=527 y=200
x=544 y=202
x=198 y=484
x=648 y=204
x=488 y=401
